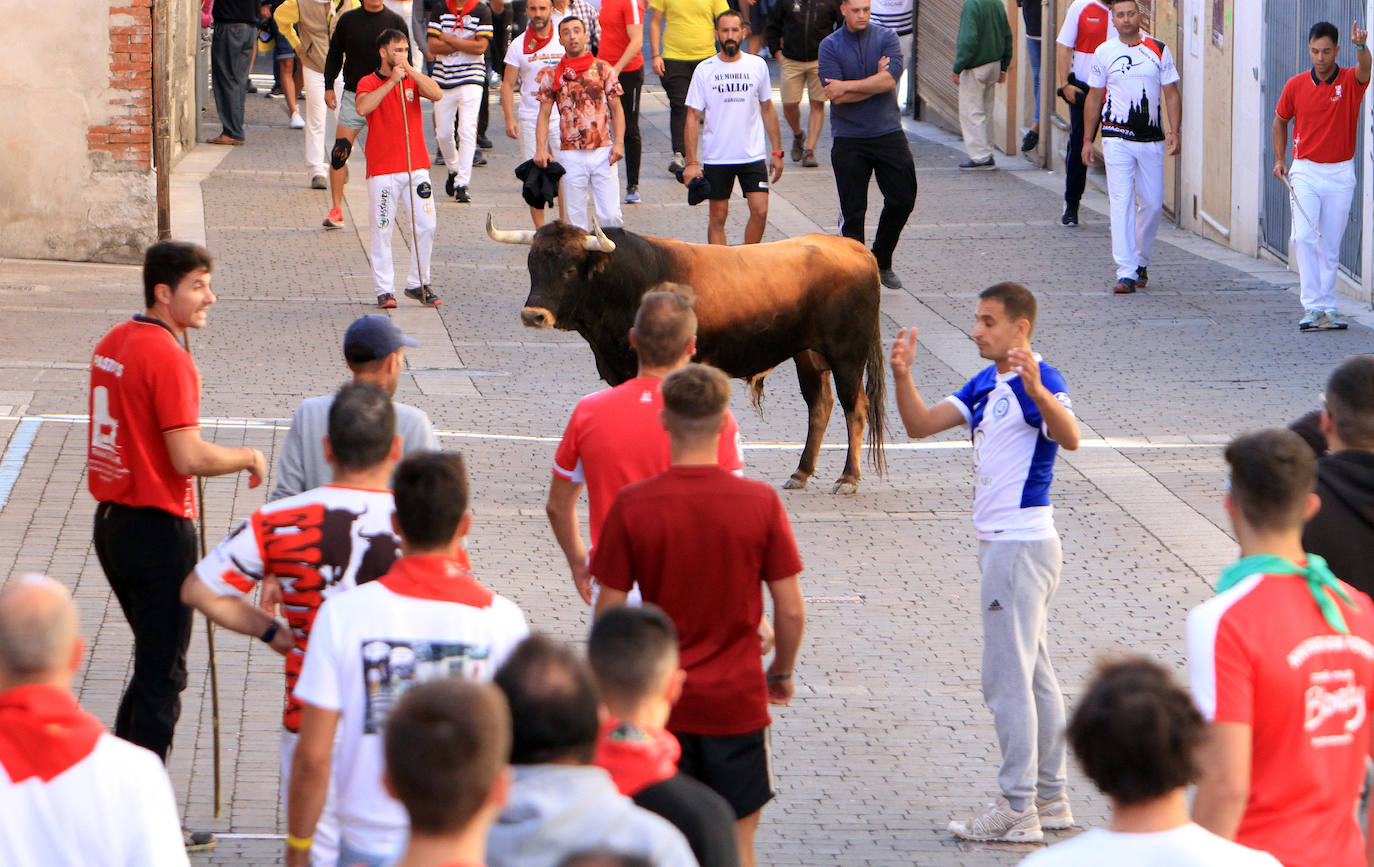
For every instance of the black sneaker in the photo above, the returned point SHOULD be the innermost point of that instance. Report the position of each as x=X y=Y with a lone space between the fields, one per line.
x=1030 y=140
x=1142 y=277
x=198 y=841
x=479 y=158
x=1124 y=286
x=386 y=301
x=979 y=165
x=448 y=184
x=423 y=294
x=889 y=278
x=483 y=142
x=1070 y=216
x=798 y=146
x=438 y=157
x=460 y=195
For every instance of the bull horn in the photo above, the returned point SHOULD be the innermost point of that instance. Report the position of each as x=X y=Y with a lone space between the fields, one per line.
x=506 y=236
x=598 y=241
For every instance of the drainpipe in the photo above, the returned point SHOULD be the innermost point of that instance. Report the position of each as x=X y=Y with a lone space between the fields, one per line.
x=913 y=95
x=1049 y=28
x=162 y=114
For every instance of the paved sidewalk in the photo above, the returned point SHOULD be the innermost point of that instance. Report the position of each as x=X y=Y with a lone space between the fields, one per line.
x=888 y=737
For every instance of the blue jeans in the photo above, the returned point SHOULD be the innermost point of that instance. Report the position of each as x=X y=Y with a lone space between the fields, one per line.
x=1033 y=52
x=231 y=56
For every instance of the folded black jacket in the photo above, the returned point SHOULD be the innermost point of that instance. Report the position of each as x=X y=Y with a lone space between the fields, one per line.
x=796 y=27
x=540 y=186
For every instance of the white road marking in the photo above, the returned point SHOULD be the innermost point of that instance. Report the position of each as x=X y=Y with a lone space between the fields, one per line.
x=15 y=454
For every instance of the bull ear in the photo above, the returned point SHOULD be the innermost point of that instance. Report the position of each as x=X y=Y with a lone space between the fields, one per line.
x=524 y=236
x=597 y=240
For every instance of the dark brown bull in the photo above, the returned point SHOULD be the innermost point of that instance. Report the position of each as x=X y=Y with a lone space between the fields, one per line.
x=813 y=299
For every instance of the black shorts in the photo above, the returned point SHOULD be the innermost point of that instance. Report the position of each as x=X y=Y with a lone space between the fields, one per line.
x=738 y=767
x=753 y=178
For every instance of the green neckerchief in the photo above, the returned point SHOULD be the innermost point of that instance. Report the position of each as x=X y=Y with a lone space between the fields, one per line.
x=1320 y=582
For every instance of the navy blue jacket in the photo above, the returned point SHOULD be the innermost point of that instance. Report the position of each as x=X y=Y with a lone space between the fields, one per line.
x=849 y=56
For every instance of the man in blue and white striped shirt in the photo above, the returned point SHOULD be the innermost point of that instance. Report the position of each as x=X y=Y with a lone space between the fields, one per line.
x=459 y=31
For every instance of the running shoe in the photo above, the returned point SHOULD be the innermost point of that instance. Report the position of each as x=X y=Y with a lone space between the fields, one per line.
x=998 y=822
x=1070 y=216
x=978 y=165
x=438 y=157
x=297 y=122
x=423 y=295
x=460 y=195
x=198 y=841
x=632 y=195
x=483 y=142
x=335 y=219
x=1142 y=277
x=450 y=182
x=1335 y=322
x=809 y=159
x=889 y=278
x=319 y=182
x=478 y=158
x=1124 y=286
x=798 y=146
x=386 y=301
x=1311 y=320
x=1055 y=814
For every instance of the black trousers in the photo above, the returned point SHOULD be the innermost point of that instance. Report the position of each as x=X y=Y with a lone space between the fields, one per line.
x=676 y=78
x=1075 y=173
x=632 y=81
x=146 y=554
x=888 y=157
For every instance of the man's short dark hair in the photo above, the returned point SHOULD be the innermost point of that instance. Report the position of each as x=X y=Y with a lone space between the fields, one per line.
x=695 y=398
x=552 y=703
x=362 y=426
x=390 y=36
x=1272 y=473
x=1016 y=299
x=1136 y=732
x=446 y=743
x=630 y=649
x=729 y=13
x=169 y=262
x=1350 y=401
x=1326 y=29
x=604 y=858
x=568 y=18
x=664 y=324
x=431 y=490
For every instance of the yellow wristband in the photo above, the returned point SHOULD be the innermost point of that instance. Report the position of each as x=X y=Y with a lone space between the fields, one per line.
x=299 y=844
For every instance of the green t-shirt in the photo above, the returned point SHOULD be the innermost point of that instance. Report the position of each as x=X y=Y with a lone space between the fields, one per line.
x=689 y=29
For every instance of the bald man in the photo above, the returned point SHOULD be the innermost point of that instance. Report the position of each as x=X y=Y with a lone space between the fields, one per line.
x=70 y=792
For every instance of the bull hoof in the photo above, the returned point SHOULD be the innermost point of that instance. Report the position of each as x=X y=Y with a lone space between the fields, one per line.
x=843 y=487
x=796 y=483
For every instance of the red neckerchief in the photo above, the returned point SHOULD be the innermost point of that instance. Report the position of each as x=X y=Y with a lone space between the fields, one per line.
x=533 y=43
x=43 y=732
x=467 y=7
x=570 y=68
x=636 y=757
x=437 y=578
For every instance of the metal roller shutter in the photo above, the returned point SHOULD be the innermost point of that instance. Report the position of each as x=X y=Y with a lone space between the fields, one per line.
x=937 y=31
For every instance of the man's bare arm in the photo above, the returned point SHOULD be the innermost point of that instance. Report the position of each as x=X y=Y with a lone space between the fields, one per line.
x=234 y=612
x=919 y=420
x=1224 y=788
x=562 y=511
x=193 y=456
x=1279 y=133
x=608 y=599
x=310 y=769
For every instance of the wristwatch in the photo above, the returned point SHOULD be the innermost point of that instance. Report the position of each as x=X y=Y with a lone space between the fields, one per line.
x=271 y=632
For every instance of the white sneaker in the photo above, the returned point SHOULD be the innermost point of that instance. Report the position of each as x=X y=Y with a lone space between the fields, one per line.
x=297 y=122
x=998 y=822
x=1055 y=814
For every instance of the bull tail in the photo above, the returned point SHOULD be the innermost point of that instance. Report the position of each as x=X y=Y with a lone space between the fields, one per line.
x=875 y=389
x=756 y=391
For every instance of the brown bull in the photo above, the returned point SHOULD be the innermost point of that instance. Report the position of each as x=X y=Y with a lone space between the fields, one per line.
x=813 y=299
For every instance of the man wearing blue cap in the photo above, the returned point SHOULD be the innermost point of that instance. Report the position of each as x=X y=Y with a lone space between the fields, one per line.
x=374 y=348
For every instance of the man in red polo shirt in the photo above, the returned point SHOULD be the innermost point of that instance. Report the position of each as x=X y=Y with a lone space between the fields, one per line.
x=622 y=43
x=144 y=448
x=1325 y=102
x=701 y=543
x=392 y=176
x=614 y=436
x=1087 y=25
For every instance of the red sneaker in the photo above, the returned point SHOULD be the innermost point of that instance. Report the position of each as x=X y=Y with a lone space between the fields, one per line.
x=335 y=219
x=386 y=301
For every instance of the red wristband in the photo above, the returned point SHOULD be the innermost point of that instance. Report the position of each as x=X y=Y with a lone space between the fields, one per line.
x=777 y=153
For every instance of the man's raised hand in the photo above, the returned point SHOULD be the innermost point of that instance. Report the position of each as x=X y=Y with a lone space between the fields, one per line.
x=903 y=351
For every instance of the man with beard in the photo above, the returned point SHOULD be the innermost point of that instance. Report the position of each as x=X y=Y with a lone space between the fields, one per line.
x=731 y=101
x=529 y=61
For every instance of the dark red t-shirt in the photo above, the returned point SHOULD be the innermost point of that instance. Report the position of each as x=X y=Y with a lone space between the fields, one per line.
x=1327 y=113
x=616 y=16
x=386 y=137
x=700 y=541
x=143 y=385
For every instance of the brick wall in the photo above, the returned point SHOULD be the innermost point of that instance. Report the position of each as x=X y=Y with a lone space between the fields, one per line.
x=125 y=141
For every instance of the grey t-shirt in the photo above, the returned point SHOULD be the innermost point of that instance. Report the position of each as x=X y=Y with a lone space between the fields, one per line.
x=302 y=464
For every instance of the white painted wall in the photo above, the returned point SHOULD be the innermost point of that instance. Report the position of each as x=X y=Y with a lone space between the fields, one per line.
x=1195 y=34
x=1249 y=128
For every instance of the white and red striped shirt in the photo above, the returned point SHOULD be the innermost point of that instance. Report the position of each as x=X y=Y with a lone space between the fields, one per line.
x=1088 y=25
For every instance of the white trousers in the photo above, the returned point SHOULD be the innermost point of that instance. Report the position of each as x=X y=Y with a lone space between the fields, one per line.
x=324 y=851
x=1135 y=187
x=462 y=102
x=320 y=122
x=977 y=98
x=403 y=8
x=388 y=195
x=1324 y=191
x=591 y=170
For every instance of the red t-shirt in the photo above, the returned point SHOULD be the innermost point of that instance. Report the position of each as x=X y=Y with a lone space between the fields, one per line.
x=386 y=138
x=1262 y=655
x=615 y=17
x=143 y=385
x=1327 y=113
x=614 y=437
x=700 y=541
